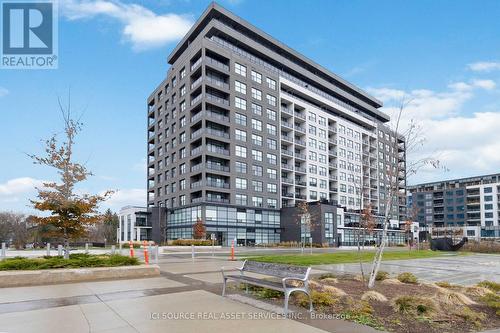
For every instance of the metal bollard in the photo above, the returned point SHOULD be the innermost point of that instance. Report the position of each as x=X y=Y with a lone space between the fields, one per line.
x=157 y=253
x=48 y=249
x=113 y=249
x=192 y=252
x=151 y=254
x=86 y=248
x=120 y=247
x=4 y=251
x=59 y=250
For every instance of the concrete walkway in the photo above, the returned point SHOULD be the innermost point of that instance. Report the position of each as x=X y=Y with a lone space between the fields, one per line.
x=186 y=298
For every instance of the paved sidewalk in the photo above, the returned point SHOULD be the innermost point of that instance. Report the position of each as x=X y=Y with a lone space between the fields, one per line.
x=185 y=298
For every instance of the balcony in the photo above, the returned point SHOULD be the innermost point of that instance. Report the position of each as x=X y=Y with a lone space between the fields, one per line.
x=217 y=150
x=286 y=124
x=196 y=99
x=299 y=142
x=218 y=184
x=217 y=64
x=286 y=180
x=300 y=156
x=216 y=82
x=287 y=111
x=286 y=152
x=196 y=150
x=300 y=169
x=196 y=63
x=287 y=194
x=197 y=167
x=217 y=167
x=216 y=132
x=286 y=166
x=332 y=129
x=217 y=199
x=299 y=115
x=196 y=82
x=217 y=99
x=300 y=196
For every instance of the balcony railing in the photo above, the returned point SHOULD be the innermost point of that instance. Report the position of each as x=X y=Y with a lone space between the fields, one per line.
x=216 y=63
x=217 y=82
x=217 y=199
x=218 y=150
x=196 y=82
x=217 y=167
x=217 y=99
x=196 y=150
x=196 y=99
x=218 y=184
x=287 y=111
x=196 y=63
x=215 y=132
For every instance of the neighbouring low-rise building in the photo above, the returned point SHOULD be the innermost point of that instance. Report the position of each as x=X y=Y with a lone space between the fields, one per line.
x=134 y=224
x=464 y=207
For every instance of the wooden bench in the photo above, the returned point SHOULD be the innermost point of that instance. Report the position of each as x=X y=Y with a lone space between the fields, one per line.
x=286 y=273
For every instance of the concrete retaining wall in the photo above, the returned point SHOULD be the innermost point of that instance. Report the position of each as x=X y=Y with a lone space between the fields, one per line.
x=52 y=276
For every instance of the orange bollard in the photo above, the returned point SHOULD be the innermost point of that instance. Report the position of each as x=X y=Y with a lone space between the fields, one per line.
x=232 y=250
x=131 y=249
x=146 y=254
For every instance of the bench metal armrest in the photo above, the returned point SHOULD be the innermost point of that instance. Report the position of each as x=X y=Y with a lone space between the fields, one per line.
x=303 y=280
x=238 y=268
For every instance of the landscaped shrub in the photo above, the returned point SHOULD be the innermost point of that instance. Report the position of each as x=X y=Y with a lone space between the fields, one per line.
x=407 y=277
x=443 y=284
x=481 y=247
x=493 y=286
x=75 y=261
x=319 y=299
x=471 y=316
x=189 y=242
x=493 y=301
x=381 y=275
x=372 y=295
x=414 y=305
x=326 y=276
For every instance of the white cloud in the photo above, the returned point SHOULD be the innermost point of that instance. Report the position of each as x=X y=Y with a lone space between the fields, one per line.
x=484 y=66
x=19 y=186
x=141 y=26
x=125 y=197
x=3 y=92
x=465 y=144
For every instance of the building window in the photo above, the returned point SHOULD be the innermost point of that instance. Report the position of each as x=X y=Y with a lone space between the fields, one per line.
x=240 y=103
x=240 y=135
x=257 y=170
x=257 y=155
x=240 y=87
x=240 y=69
x=182 y=200
x=256 y=109
x=257 y=186
x=271 y=129
x=272 y=144
x=241 y=151
x=241 y=167
x=271 y=115
x=240 y=119
x=241 y=199
x=257 y=125
x=272 y=203
x=272 y=188
x=182 y=73
x=256 y=94
x=241 y=183
x=271 y=159
x=257 y=201
x=256 y=140
x=271 y=84
x=272 y=173
x=271 y=100
x=256 y=77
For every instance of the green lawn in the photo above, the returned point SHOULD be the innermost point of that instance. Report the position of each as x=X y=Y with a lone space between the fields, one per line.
x=77 y=260
x=344 y=257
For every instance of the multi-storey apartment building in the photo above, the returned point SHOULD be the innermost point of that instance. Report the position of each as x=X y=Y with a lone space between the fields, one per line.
x=468 y=206
x=243 y=126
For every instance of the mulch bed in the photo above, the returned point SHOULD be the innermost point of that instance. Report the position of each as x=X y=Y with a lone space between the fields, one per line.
x=383 y=314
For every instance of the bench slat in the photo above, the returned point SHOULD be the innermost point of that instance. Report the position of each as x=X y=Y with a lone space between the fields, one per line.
x=278 y=270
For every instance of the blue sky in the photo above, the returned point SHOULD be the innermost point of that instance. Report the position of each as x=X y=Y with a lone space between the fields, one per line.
x=442 y=55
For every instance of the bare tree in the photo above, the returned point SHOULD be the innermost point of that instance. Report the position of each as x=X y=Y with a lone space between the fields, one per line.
x=307 y=221
x=14 y=229
x=412 y=139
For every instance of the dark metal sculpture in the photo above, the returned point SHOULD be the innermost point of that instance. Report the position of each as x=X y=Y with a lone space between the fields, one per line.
x=446 y=244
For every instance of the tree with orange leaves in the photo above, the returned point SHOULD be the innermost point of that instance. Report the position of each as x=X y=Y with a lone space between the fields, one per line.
x=199 y=230
x=71 y=214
